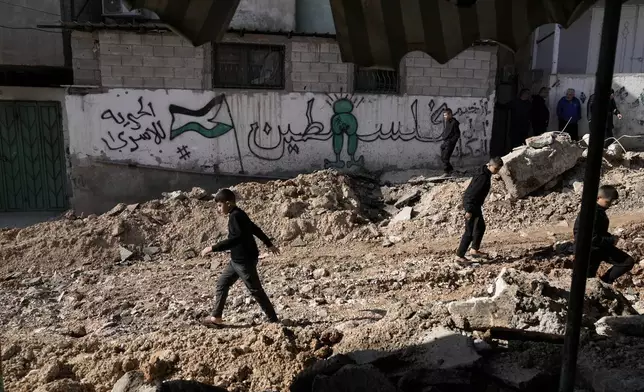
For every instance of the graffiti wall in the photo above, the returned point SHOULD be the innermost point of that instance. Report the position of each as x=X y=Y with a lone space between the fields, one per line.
x=269 y=133
x=629 y=97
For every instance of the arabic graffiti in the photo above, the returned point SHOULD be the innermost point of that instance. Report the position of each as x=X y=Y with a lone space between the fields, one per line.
x=351 y=130
x=132 y=122
x=344 y=126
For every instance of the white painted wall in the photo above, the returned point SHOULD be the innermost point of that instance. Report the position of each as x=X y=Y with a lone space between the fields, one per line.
x=272 y=132
x=629 y=96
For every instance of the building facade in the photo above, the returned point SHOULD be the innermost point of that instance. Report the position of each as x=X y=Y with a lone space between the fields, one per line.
x=569 y=58
x=148 y=112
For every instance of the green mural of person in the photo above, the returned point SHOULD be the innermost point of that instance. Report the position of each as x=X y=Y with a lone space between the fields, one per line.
x=343 y=122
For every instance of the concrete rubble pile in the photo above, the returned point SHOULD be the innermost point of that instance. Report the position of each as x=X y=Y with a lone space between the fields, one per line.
x=530 y=302
x=543 y=159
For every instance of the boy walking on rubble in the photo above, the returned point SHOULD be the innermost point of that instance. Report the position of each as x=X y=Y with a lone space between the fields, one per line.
x=473 y=200
x=244 y=256
x=603 y=243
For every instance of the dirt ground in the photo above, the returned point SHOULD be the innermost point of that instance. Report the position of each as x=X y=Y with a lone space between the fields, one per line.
x=72 y=309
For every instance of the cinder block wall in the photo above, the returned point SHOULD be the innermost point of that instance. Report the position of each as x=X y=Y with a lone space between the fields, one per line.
x=132 y=60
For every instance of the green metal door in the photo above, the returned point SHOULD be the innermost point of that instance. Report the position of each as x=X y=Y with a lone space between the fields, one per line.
x=32 y=163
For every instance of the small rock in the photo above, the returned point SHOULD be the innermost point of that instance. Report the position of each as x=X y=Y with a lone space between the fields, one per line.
x=117 y=209
x=320 y=273
x=189 y=254
x=198 y=194
x=160 y=364
x=118 y=229
x=33 y=282
x=53 y=371
x=132 y=207
x=10 y=351
x=621 y=325
x=125 y=254
x=176 y=195
x=132 y=381
x=408 y=198
x=76 y=331
x=404 y=215
x=151 y=250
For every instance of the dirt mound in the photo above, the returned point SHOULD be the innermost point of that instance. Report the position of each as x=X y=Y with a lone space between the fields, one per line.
x=438 y=206
x=308 y=208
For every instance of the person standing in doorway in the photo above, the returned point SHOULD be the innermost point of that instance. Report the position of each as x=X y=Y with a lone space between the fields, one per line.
x=520 y=112
x=610 y=124
x=540 y=112
x=569 y=114
x=451 y=136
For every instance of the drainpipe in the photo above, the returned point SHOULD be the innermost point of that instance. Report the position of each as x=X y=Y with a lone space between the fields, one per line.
x=603 y=83
x=66 y=10
x=535 y=48
x=555 y=50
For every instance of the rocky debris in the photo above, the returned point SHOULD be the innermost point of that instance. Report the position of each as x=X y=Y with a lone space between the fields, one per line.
x=543 y=159
x=409 y=198
x=175 y=195
x=404 y=215
x=125 y=254
x=133 y=382
x=621 y=325
x=160 y=365
x=529 y=301
x=188 y=386
x=117 y=209
x=66 y=385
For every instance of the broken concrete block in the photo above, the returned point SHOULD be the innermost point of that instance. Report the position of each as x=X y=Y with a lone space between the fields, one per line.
x=541 y=141
x=447 y=349
x=151 y=250
x=621 y=325
x=176 y=195
x=408 y=198
x=528 y=169
x=403 y=215
x=116 y=210
x=125 y=254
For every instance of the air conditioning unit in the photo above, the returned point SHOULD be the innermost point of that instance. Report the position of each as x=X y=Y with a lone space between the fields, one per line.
x=118 y=8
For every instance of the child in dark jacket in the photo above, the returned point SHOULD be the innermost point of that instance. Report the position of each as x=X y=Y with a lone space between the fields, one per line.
x=603 y=243
x=473 y=200
x=244 y=256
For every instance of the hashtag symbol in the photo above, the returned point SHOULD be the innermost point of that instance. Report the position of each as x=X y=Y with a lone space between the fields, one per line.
x=183 y=152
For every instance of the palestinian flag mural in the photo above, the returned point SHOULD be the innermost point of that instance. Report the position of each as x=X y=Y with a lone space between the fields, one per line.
x=211 y=121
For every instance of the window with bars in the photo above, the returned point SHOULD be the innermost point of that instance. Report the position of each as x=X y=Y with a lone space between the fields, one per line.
x=375 y=81
x=248 y=66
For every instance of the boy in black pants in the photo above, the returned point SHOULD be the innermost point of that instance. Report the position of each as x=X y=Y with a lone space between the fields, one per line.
x=451 y=135
x=473 y=200
x=244 y=256
x=603 y=243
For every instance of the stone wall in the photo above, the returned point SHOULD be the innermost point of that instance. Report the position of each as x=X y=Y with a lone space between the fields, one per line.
x=131 y=60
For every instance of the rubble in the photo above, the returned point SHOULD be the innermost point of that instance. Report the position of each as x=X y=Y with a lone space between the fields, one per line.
x=621 y=325
x=75 y=316
x=543 y=159
x=530 y=302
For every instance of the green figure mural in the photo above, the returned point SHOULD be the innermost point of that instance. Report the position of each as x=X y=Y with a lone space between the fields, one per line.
x=343 y=123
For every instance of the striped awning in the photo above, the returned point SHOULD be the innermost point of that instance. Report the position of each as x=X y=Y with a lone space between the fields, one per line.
x=199 y=21
x=380 y=32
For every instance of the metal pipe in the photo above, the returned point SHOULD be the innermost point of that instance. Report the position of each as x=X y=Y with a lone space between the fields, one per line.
x=603 y=83
x=535 y=48
x=555 y=50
